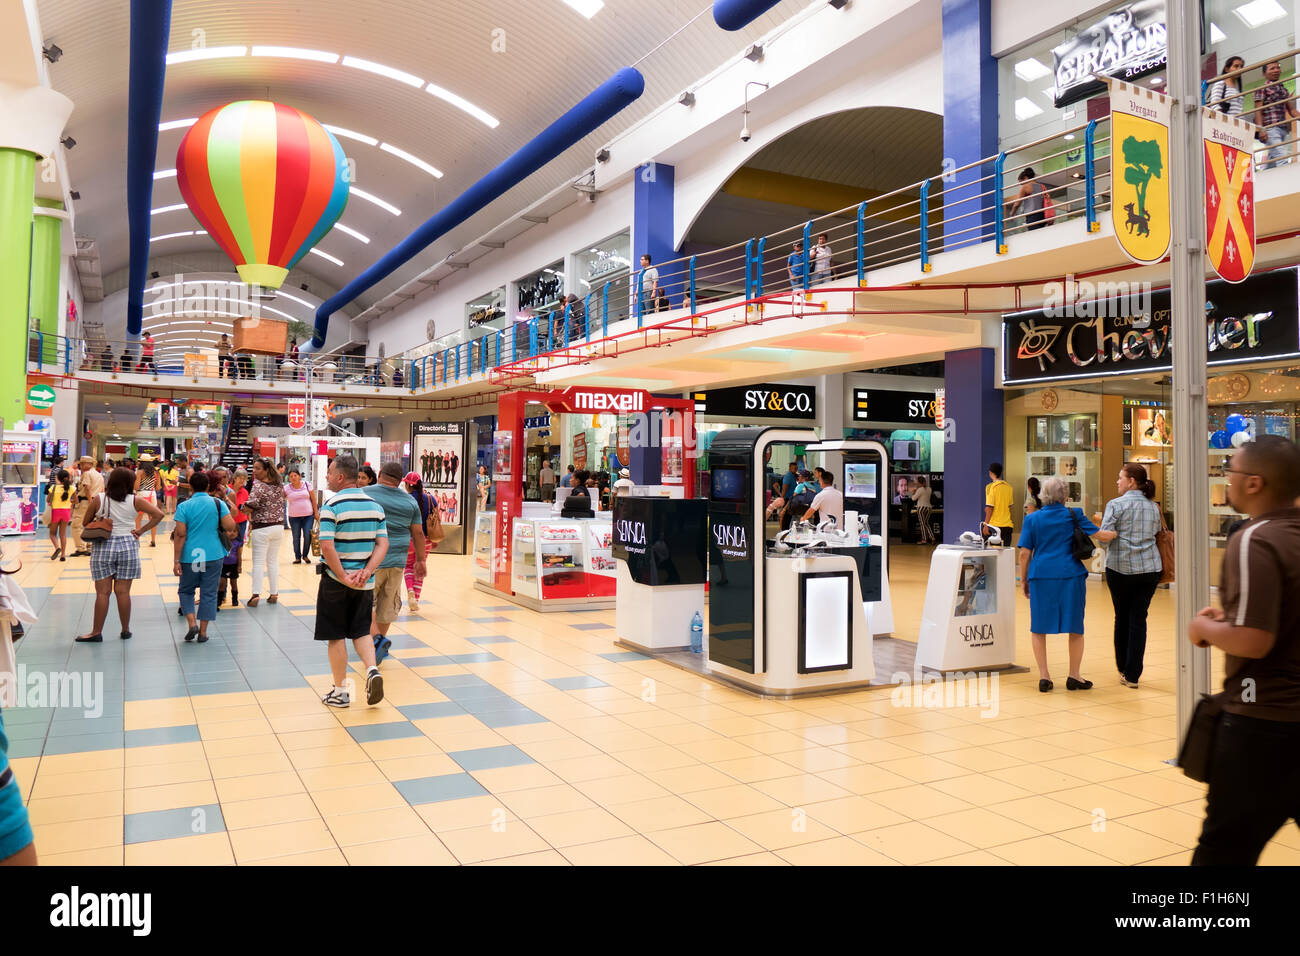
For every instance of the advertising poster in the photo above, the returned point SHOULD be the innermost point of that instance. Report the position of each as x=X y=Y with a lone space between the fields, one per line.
x=671 y=458
x=18 y=510
x=502 y=443
x=438 y=460
x=1151 y=427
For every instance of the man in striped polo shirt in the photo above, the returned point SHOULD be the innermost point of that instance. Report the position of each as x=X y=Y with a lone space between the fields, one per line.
x=353 y=541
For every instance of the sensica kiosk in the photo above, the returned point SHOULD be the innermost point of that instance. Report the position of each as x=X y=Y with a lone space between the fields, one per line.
x=788 y=617
x=969 y=620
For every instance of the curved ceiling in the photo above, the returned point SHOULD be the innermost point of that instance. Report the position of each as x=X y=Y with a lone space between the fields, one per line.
x=520 y=63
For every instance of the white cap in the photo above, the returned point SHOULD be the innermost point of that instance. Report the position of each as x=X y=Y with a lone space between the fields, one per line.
x=624 y=473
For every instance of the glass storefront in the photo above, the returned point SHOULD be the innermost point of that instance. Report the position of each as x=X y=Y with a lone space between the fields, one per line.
x=487 y=311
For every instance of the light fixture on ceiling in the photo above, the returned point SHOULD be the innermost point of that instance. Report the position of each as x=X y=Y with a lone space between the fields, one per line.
x=1026 y=109
x=368 y=197
x=205 y=53
x=838 y=4
x=68 y=142
x=177 y=124
x=350 y=134
x=415 y=161
x=171 y=235
x=1031 y=69
x=392 y=73
x=447 y=96
x=172 y=208
x=296 y=53
x=687 y=98
x=326 y=256
x=164 y=173
x=1069 y=136
x=1216 y=35
x=602 y=155
x=1157 y=81
x=52 y=52
x=1259 y=12
x=352 y=232
x=755 y=52
x=588 y=8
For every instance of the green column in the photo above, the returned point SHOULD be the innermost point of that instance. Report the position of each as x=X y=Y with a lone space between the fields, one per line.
x=46 y=262
x=17 y=190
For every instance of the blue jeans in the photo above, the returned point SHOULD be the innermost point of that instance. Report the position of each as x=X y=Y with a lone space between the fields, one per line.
x=300 y=533
x=1278 y=154
x=205 y=576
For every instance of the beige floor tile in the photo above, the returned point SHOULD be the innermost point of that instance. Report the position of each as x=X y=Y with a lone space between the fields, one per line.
x=412 y=768
x=981 y=828
x=800 y=789
x=359 y=799
x=249 y=765
x=703 y=843
x=374 y=826
x=918 y=801
x=1046 y=814
x=469 y=812
x=242 y=746
x=611 y=791
x=45 y=786
x=266 y=811
x=426 y=850
x=164 y=753
x=922 y=769
x=839 y=851
x=525 y=777
x=574 y=827
x=865 y=779
x=684 y=780
x=146 y=799
x=558 y=748
x=1123 y=844
x=1036 y=778
x=578 y=769
x=83 y=762
x=1160 y=788
x=980 y=789
x=750 y=859
x=778 y=829
x=85 y=834
x=974 y=858
x=853 y=814
x=281 y=839
x=873 y=751
x=477 y=843
x=69 y=809
x=204 y=849
x=634 y=850
x=261 y=785
x=546 y=800
x=103 y=856
x=737 y=800
x=659 y=813
x=186 y=771
x=1089 y=768
x=331 y=857
x=1048 y=850
x=912 y=842
x=1103 y=800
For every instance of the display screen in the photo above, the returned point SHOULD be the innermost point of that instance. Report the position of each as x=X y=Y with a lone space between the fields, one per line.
x=860 y=479
x=728 y=484
x=907 y=450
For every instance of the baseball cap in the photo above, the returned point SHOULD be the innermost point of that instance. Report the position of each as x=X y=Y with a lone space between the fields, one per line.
x=392 y=469
x=412 y=478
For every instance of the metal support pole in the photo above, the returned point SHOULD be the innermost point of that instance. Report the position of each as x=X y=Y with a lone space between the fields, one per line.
x=692 y=281
x=807 y=255
x=604 y=310
x=862 y=245
x=999 y=209
x=1187 y=298
x=1090 y=177
x=925 y=226
x=758 y=267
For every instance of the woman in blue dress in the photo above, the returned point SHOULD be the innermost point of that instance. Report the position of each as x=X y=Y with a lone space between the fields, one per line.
x=1055 y=581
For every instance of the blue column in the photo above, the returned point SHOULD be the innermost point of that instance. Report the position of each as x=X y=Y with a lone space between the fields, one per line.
x=970 y=114
x=652 y=225
x=974 y=429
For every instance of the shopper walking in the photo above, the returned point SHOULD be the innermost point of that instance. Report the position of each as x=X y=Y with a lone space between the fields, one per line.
x=1275 y=115
x=821 y=260
x=431 y=524
x=89 y=487
x=353 y=543
x=546 y=476
x=199 y=555
x=1031 y=200
x=922 y=497
x=1129 y=530
x=1254 y=784
x=1225 y=94
x=115 y=560
x=301 y=502
x=146 y=487
x=997 y=506
x=1033 y=500
x=17 y=844
x=170 y=477
x=1055 y=580
x=405 y=525
x=365 y=476
x=61 y=497
x=265 y=509
x=796 y=264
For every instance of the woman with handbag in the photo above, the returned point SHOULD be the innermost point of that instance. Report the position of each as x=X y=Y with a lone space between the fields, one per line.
x=146 y=487
x=115 y=547
x=1053 y=543
x=433 y=533
x=303 y=515
x=205 y=531
x=1133 y=565
x=265 y=507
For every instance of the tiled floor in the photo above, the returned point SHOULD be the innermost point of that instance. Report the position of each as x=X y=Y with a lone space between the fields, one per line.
x=513 y=737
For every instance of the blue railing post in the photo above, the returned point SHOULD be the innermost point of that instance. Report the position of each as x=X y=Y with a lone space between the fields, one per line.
x=1090 y=177
x=640 y=286
x=925 y=226
x=568 y=319
x=40 y=350
x=457 y=363
x=862 y=245
x=749 y=270
x=67 y=356
x=691 y=279
x=999 y=208
x=807 y=255
x=604 y=310
x=758 y=267
x=532 y=337
x=586 y=317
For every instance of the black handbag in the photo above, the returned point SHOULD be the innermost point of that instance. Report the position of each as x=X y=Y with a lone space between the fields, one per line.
x=1196 y=755
x=227 y=542
x=1081 y=545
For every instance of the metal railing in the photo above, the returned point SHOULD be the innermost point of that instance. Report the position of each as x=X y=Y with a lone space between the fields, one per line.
x=1276 y=136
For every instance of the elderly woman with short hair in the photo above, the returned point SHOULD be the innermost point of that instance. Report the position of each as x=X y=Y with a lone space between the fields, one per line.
x=1054 y=579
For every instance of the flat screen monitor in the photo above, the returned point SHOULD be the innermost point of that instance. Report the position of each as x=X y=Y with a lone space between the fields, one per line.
x=728 y=484
x=860 y=479
x=906 y=449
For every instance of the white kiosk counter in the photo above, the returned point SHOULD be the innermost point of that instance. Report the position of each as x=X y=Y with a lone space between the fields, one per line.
x=659 y=549
x=969 y=620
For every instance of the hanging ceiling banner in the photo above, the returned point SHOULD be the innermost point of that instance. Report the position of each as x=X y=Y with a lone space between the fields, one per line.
x=1229 y=194
x=1139 y=208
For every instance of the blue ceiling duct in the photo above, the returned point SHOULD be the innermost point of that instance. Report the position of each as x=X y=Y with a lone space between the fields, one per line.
x=150 y=32
x=738 y=14
x=616 y=93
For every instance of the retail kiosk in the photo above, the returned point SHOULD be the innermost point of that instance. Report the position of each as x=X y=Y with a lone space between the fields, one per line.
x=787 y=614
x=969 y=620
x=659 y=544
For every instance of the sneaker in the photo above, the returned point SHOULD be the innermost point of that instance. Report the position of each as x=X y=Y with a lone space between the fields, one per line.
x=382 y=644
x=374 y=686
x=337 y=698
x=413 y=603
x=1129 y=683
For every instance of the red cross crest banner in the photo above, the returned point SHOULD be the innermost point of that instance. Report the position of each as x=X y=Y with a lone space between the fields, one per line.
x=297 y=415
x=1229 y=194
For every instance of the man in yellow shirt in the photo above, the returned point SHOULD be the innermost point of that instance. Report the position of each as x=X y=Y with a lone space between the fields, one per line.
x=997 y=506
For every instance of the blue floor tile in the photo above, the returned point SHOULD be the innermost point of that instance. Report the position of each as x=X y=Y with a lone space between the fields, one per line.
x=501 y=607
x=592 y=627
x=513 y=717
x=424 y=661
x=366 y=733
x=184 y=734
x=83 y=743
x=576 y=683
x=491 y=639
x=442 y=708
x=488 y=620
x=457 y=680
x=621 y=656
x=169 y=824
x=483 y=657
x=464 y=694
x=490 y=758
x=452 y=786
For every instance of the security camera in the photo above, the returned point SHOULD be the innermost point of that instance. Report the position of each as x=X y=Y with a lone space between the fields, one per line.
x=744 y=131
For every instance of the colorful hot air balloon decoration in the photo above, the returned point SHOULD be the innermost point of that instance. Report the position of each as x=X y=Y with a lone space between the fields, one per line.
x=267 y=182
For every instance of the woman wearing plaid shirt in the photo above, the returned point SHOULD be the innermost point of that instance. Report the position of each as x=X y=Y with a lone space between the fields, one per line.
x=1133 y=567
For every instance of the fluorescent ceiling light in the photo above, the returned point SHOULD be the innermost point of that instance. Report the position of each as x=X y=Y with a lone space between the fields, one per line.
x=170 y=235
x=164 y=174
x=177 y=124
x=349 y=134
x=483 y=116
x=1216 y=35
x=162 y=209
x=588 y=8
x=1050 y=93
x=433 y=171
x=296 y=53
x=393 y=74
x=206 y=53
x=1031 y=69
x=1026 y=109
x=1157 y=81
x=326 y=255
x=362 y=194
x=1069 y=136
x=352 y=232
x=1259 y=12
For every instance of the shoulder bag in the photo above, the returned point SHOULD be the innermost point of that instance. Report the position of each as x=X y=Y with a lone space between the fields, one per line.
x=433 y=530
x=227 y=540
x=1049 y=207
x=1081 y=546
x=1165 y=545
x=1197 y=752
x=101 y=527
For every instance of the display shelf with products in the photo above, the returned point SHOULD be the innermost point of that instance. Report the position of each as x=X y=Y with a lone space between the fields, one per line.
x=523 y=571
x=1077 y=468
x=602 y=570
x=562 y=560
x=484 y=525
x=559 y=559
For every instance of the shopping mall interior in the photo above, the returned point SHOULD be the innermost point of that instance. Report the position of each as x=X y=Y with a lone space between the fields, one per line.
x=685 y=251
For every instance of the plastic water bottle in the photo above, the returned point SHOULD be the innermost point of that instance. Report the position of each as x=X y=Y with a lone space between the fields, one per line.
x=697 y=634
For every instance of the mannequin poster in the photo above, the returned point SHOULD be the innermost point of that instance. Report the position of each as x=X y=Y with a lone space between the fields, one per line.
x=437 y=456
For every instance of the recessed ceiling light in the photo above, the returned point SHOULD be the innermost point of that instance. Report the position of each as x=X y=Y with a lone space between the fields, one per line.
x=170 y=235
x=177 y=124
x=1050 y=93
x=432 y=170
x=206 y=53
x=1031 y=69
x=173 y=208
x=296 y=53
x=1216 y=35
x=164 y=174
x=1069 y=136
x=326 y=255
x=393 y=74
x=1025 y=109
x=349 y=134
x=1157 y=81
x=483 y=116
x=588 y=8
x=352 y=232
x=1259 y=12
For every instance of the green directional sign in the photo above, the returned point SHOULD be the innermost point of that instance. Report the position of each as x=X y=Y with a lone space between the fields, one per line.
x=41 y=397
